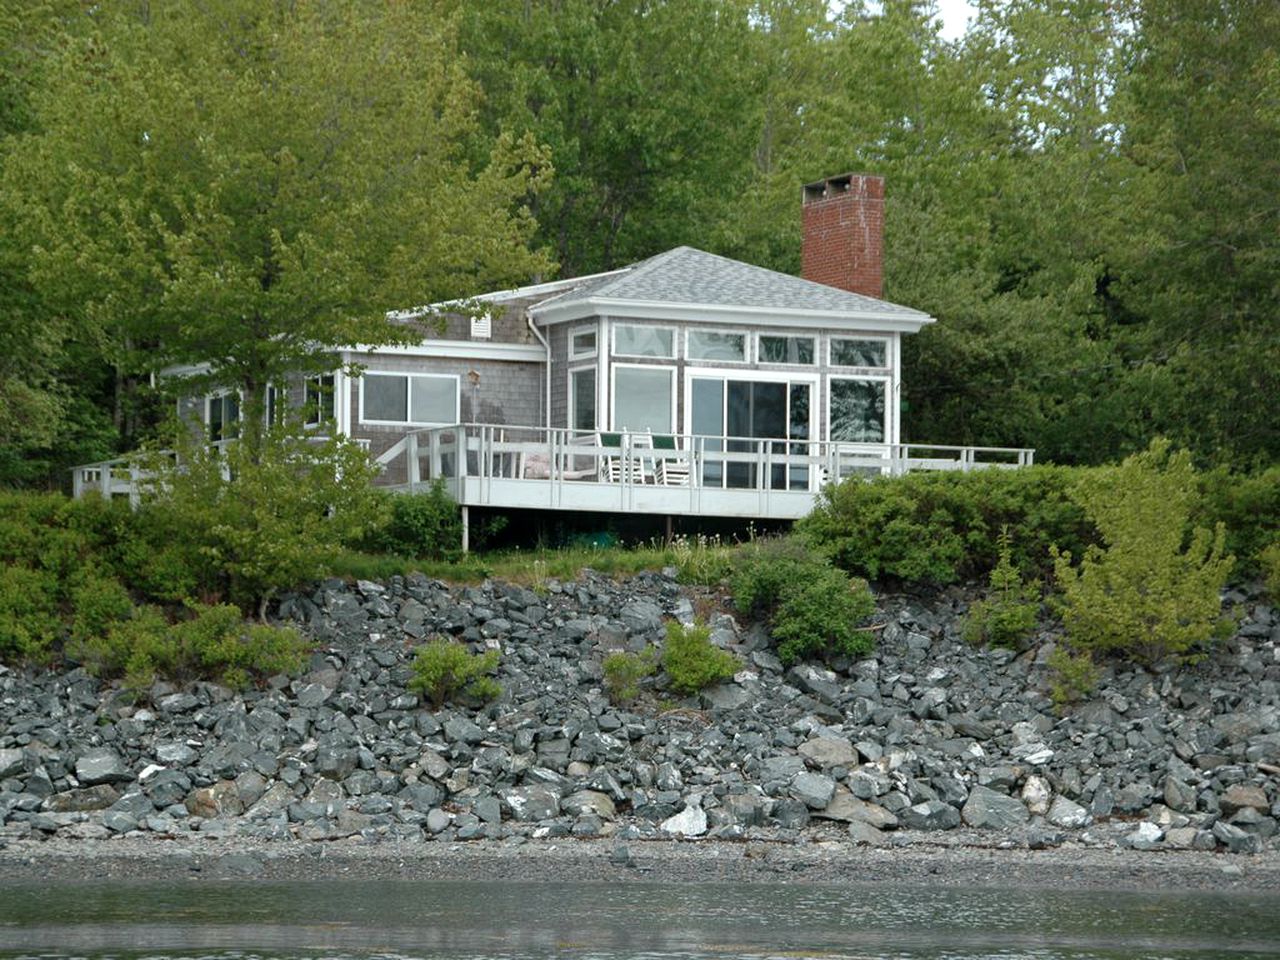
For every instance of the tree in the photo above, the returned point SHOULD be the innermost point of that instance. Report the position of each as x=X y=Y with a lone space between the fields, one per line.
x=249 y=185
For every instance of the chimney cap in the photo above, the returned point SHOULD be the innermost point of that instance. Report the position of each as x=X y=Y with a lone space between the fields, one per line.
x=867 y=184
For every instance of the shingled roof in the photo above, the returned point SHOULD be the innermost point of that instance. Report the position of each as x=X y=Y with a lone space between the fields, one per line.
x=689 y=276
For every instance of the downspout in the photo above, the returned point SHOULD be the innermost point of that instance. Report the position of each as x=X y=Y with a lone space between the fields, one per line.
x=546 y=345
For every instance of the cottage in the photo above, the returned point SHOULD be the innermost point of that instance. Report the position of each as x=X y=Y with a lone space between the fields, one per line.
x=687 y=383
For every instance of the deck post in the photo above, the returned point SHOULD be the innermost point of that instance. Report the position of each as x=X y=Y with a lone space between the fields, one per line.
x=414 y=475
x=466 y=529
x=104 y=481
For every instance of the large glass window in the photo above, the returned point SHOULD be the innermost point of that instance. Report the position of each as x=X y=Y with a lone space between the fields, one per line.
x=643 y=398
x=795 y=350
x=582 y=399
x=859 y=353
x=715 y=345
x=857 y=410
x=735 y=415
x=404 y=398
x=635 y=340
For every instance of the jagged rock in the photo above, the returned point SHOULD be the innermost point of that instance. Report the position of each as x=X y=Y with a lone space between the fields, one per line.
x=930 y=815
x=1235 y=839
x=813 y=789
x=89 y=798
x=221 y=799
x=864 y=833
x=589 y=802
x=847 y=808
x=11 y=763
x=1037 y=795
x=993 y=811
x=1146 y=836
x=1240 y=796
x=531 y=804
x=826 y=752
x=102 y=765
x=689 y=822
x=1068 y=813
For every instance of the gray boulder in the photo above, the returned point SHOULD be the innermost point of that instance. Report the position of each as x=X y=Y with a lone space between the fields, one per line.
x=989 y=810
x=102 y=765
x=930 y=815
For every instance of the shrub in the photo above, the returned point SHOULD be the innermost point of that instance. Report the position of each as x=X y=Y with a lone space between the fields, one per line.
x=942 y=527
x=444 y=668
x=1152 y=592
x=211 y=642
x=702 y=559
x=97 y=602
x=692 y=661
x=422 y=525
x=1248 y=505
x=1072 y=676
x=623 y=672
x=1269 y=561
x=253 y=520
x=29 y=622
x=1008 y=614
x=812 y=608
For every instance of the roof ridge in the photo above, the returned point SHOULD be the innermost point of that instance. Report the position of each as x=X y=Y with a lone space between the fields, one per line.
x=638 y=269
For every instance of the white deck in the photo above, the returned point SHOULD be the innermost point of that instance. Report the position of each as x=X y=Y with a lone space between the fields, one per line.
x=535 y=468
x=555 y=469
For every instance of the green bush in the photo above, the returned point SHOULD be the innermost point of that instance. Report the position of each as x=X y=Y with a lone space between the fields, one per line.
x=1153 y=591
x=1248 y=505
x=1008 y=614
x=692 y=661
x=939 y=527
x=29 y=621
x=210 y=642
x=701 y=559
x=242 y=523
x=444 y=668
x=623 y=672
x=422 y=525
x=97 y=602
x=1072 y=676
x=812 y=608
x=1269 y=561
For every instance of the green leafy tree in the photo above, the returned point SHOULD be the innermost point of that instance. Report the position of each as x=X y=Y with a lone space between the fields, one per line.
x=250 y=185
x=1153 y=589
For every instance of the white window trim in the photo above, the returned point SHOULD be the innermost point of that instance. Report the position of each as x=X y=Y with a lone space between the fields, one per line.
x=746 y=345
x=791 y=335
x=613 y=391
x=813 y=379
x=333 y=399
x=575 y=354
x=890 y=420
x=888 y=351
x=569 y=395
x=457 y=399
x=675 y=340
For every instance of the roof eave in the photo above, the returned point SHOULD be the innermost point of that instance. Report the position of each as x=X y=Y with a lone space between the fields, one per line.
x=885 y=321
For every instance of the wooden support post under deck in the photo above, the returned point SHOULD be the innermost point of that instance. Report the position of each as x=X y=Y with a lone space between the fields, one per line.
x=466 y=529
x=670 y=533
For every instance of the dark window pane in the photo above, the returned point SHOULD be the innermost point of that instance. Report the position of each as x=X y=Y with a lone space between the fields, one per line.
x=386 y=397
x=858 y=353
x=857 y=410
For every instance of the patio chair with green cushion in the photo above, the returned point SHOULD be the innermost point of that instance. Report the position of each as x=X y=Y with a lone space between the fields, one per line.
x=611 y=463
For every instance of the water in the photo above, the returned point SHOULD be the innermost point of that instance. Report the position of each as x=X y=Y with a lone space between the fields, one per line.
x=602 y=921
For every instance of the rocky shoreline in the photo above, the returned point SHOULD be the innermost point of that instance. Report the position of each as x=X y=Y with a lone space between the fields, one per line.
x=928 y=754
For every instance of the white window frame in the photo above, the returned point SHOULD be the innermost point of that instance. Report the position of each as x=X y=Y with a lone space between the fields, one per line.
x=319 y=379
x=888 y=405
x=789 y=335
x=219 y=397
x=570 y=395
x=771 y=376
x=613 y=391
x=831 y=351
x=457 y=398
x=675 y=341
x=574 y=352
x=746 y=346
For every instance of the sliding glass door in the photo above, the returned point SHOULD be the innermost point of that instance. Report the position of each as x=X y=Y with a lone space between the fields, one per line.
x=734 y=414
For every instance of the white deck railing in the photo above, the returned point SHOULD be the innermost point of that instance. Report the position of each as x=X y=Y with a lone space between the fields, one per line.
x=552 y=468
x=491 y=465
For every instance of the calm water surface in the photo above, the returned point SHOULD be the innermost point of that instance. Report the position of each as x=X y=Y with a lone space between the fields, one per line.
x=512 y=921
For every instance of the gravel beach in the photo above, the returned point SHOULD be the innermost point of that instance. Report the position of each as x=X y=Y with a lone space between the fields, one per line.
x=1069 y=867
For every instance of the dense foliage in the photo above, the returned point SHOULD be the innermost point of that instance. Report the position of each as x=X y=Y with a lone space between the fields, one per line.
x=1152 y=589
x=446 y=669
x=1006 y=616
x=692 y=661
x=1080 y=192
x=812 y=608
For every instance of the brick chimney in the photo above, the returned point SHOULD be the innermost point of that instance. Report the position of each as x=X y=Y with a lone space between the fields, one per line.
x=843 y=242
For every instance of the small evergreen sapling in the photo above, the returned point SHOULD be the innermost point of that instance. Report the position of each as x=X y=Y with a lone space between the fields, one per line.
x=1008 y=614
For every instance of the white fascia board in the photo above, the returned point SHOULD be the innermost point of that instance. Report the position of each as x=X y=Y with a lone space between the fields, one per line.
x=458 y=349
x=869 y=320
x=498 y=296
x=185 y=370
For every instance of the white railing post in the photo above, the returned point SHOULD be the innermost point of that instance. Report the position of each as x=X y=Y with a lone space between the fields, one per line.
x=414 y=468
x=433 y=453
x=104 y=481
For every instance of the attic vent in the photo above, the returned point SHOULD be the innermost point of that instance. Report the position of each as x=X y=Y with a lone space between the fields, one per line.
x=481 y=327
